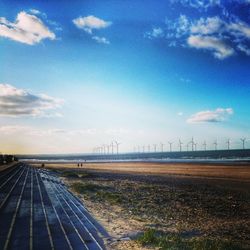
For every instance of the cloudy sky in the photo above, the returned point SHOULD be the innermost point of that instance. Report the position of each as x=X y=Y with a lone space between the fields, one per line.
x=79 y=75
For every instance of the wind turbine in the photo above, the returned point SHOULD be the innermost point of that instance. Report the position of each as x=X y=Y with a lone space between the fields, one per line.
x=112 y=147
x=180 y=144
x=170 y=146
x=99 y=150
x=107 y=146
x=215 y=144
x=243 y=142
x=228 y=144
x=192 y=143
x=117 y=146
x=155 y=145
x=205 y=145
x=104 y=148
x=162 y=145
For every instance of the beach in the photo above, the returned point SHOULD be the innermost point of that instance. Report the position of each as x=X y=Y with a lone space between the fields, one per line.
x=187 y=202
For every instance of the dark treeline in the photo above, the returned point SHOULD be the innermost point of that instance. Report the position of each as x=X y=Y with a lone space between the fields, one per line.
x=5 y=159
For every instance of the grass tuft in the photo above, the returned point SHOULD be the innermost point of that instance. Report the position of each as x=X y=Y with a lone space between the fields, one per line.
x=113 y=198
x=170 y=241
x=82 y=188
x=69 y=174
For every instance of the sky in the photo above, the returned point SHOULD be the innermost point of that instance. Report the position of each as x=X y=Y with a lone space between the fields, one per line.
x=77 y=76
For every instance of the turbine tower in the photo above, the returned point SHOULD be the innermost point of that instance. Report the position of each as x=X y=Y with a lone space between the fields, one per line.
x=243 y=142
x=192 y=143
x=215 y=144
x=107 y=147
x=104 y=149
x=155 y=145
x=162 y=146
x=180 y=145
x=170 y=146
x=98 y=150
x=205 y=145
x=112 y=147
x=117 y=146
x=228 y=144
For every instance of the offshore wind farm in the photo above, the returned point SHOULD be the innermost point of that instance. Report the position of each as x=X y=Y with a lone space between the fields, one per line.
x=111 y=152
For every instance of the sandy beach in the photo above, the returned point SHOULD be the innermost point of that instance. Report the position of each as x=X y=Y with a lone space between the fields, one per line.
x=187 y=202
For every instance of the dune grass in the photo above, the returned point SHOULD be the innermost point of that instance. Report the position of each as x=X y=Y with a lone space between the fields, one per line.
x=98 y=192
x=113 y=198
x=164 y=241
x=69 y=174
x=83 y=188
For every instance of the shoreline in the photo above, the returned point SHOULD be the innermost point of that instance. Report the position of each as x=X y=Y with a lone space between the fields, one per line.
x=231 y=172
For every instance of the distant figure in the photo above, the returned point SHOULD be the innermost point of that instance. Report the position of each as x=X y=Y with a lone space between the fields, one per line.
x=77 y=164
x=81 y=164
x=43 y=165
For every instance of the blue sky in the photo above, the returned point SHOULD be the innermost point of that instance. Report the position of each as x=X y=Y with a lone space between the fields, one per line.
x=76 y=76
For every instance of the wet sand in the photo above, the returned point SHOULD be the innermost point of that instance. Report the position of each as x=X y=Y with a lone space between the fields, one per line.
x=237 y=171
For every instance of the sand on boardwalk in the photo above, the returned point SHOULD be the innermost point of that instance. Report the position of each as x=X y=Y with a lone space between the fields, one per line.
x=5 y=166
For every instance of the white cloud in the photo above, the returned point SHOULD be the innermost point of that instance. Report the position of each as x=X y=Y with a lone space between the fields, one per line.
x=244 y=49
x=207 y=26
x=198 y=4
x=215 y=24
x=237 y=29
x=222 y=35
x=183 y=25
x=27 y=29
x=217 y=115
x=155 y=33
x=19 y=102
x=180 y=27
x=90 y=23
x=33 y=131
x=219 y=48
x=240 y=28
x=101 y=39
x=12 y=129
x=35 y=12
